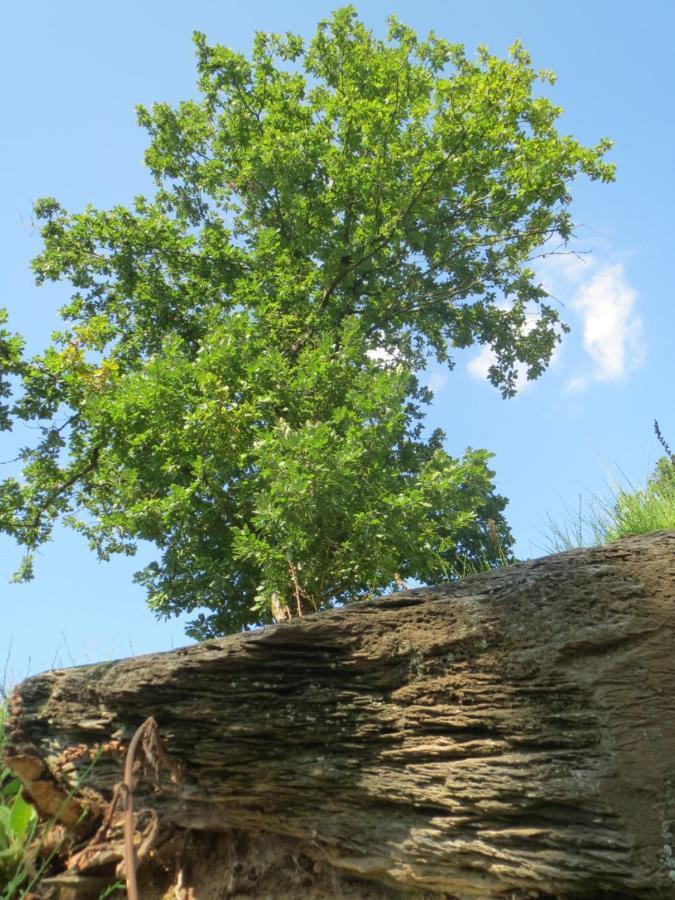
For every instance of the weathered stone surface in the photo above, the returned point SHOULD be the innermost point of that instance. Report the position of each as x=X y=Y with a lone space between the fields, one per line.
x=514 y=732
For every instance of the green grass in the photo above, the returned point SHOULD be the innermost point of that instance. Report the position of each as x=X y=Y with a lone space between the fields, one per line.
x=18 y=821
x=22 y=863
x=642 y=512
x=627 y=511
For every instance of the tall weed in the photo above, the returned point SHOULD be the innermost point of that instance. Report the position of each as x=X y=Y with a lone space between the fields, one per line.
x=628 y=510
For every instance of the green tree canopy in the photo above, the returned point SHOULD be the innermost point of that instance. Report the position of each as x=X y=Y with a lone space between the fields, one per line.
x=236 y=380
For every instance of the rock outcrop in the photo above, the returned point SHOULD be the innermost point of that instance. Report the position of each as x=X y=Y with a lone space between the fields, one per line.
x=509 y=735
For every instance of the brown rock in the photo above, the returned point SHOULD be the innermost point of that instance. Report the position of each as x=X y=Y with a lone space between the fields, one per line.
x=509 y=735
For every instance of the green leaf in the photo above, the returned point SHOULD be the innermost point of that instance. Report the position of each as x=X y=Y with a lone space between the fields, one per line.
x=237 y=377
x=21 y=817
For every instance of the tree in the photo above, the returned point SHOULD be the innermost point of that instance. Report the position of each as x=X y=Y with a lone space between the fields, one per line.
x=237 y=376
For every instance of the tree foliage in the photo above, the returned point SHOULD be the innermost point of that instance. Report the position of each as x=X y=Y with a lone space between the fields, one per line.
x=236 y=380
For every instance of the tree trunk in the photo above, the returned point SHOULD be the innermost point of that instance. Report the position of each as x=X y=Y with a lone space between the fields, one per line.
x=510 y=734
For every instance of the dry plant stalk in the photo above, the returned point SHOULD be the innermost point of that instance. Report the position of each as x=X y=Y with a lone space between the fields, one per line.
x=146 y=737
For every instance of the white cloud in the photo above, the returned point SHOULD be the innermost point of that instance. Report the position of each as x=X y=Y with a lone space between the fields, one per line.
x=612 y=331
x=576 y=384
x=559 y=270
x=437 y=380
x=385 y=356
x=379 y=354
x=478 y=367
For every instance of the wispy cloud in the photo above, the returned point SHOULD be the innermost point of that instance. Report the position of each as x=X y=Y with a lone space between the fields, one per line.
x=382 y=356
x=612 y=330
x=600 y=296
x=386 y=357
x=436 y=380
x=559 y=270
x=478 y=366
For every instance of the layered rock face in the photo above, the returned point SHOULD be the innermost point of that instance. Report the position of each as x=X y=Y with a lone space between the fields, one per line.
x=509 y=735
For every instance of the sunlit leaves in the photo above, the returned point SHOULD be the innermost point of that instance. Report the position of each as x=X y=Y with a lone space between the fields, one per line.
x=236 y=380
x=11 y=347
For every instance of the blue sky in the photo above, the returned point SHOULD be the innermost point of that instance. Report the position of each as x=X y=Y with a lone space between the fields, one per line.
x=72 y=74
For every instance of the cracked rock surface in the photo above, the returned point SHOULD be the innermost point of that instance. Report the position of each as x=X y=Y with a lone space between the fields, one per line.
x=512 y=734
